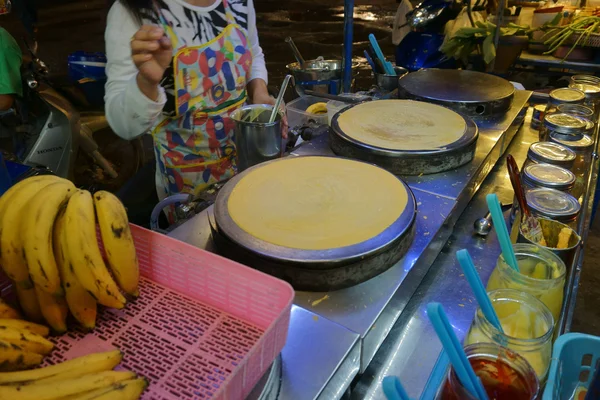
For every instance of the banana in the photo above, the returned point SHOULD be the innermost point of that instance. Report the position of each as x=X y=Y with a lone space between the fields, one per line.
x=25 y=326
x=8 y=312
x=26 y=340
x=118 y=242
x=60 y=389
x=84 y=253
x=317 y=108
x=14 y=358
x=126 y=390
x=107 y=360
x=12 y=210
x=80 y=302
x=29 y=302
x=103 y=364
x=36 y=232
x=54 y=309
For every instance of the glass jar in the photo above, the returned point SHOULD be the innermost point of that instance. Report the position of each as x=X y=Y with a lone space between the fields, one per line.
x=569 y=127
x=527 y=324
x=550 y=153
x=542 y=275
x=548 y=175
x=580 y=110
x=583 y=151
x=590 y=86
x=553 y=204
x=505 y=375
x=564 y=96
x=544 y=176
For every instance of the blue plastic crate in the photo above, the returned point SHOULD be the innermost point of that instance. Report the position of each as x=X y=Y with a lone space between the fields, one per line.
x=575 y=357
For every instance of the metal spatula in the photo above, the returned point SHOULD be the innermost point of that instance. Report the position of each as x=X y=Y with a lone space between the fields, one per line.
x=529 y=224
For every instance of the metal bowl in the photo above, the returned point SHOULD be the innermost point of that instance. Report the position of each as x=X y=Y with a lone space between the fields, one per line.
x=316 y=70
x=389 y=82
x=551 y=230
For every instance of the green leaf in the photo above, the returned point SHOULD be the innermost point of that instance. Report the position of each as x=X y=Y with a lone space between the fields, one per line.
x=489 y=50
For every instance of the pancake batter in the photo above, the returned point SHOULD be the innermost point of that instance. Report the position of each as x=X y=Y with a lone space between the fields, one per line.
x=402 y=125
x=316 y=203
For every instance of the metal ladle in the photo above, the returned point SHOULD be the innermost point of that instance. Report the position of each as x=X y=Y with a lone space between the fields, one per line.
x=296 y=52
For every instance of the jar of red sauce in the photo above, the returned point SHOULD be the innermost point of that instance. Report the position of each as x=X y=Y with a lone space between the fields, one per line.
x=505 y=375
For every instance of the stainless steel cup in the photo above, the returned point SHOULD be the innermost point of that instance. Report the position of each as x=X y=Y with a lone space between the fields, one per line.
x=551 y=230
x=256 y=140
x=389 y=83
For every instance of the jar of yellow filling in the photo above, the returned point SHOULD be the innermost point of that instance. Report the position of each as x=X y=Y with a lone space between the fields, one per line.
x=527 y=324
x=542 y=275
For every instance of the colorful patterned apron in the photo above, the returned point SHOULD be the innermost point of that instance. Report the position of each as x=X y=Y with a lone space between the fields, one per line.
x=195 y=148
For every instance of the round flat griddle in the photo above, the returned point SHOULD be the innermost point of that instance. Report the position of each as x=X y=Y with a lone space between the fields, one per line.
x=471 y=93
x=414 y=161
x=313 y=270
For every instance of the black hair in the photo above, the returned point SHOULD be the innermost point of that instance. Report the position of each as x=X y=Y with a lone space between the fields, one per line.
x=137 y=8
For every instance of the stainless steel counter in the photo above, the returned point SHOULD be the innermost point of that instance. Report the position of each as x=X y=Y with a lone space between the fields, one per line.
x=370 y=311
x=412 y=348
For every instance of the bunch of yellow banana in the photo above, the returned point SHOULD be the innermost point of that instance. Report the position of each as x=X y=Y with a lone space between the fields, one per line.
x=22 y=344
x=87 y=377
x=49 y=248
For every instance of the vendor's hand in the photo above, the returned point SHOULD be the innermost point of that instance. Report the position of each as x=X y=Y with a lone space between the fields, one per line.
x=152 y=53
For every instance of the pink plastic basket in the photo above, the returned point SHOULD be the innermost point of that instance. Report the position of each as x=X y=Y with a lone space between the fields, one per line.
x=203 y=327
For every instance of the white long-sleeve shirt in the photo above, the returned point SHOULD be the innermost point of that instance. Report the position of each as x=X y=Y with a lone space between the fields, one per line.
x=129 y=112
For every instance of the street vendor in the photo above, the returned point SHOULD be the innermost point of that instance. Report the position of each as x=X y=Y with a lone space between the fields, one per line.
x=178 y=69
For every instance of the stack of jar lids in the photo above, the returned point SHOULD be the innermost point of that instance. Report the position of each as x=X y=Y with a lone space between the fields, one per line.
x=549 y=176
x=553 y=204
x=551 y=153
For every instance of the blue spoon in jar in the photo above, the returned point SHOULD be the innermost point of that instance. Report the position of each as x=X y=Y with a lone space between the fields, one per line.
x=466 y=262
x=502 y=231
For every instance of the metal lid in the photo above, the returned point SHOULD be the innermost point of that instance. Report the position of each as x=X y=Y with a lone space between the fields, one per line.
x=551 y=153
x=576 y=109
x=590 y=88
x=578 y=146
x=553 y=204
x=581 y=111
x=548 y=175
x=567 y=95
x=565 y=123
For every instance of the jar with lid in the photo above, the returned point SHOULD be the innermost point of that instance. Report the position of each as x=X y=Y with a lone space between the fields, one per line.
x=580 y=110
x=548 y=203
x=567 y=126
x=527 y=324
x=583 y=151
x=564 y=96
x=504 y=374
x=541 y=274
x=550 y=153
x=590 y=86
x=544 y=176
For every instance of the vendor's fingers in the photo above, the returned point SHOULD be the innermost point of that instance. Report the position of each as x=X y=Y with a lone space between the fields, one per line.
x=139 y=59
x=165 y=43
x=142 y=46
x=148 y=33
